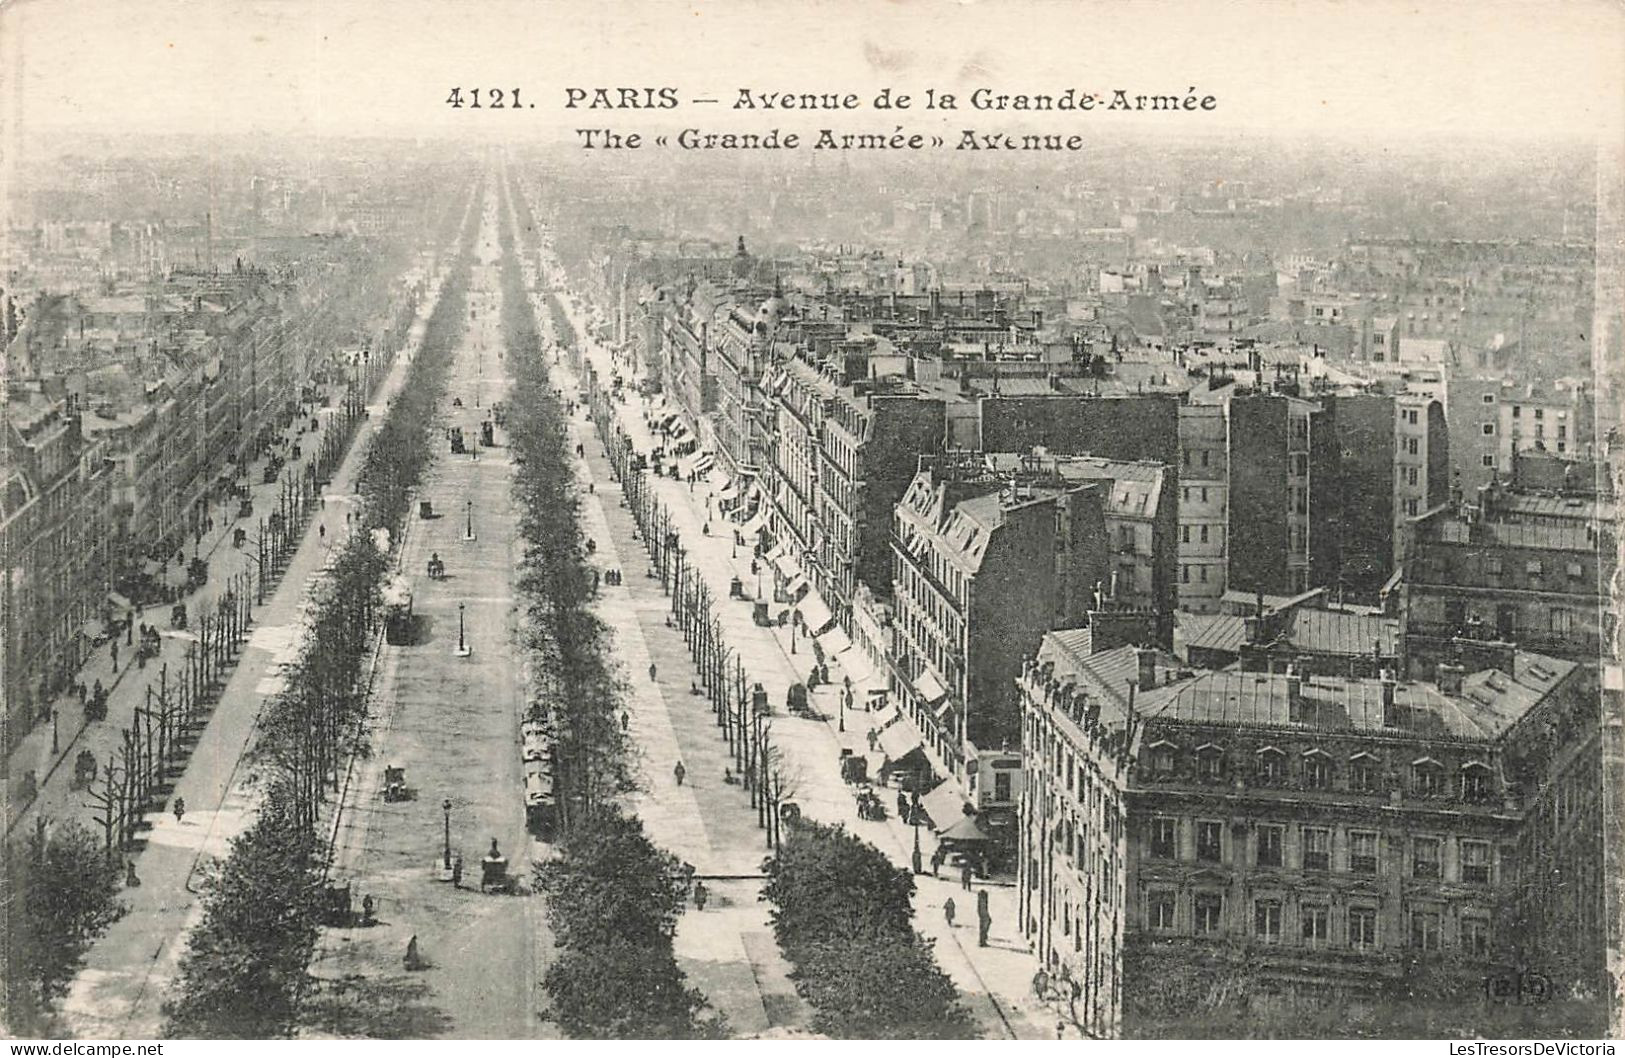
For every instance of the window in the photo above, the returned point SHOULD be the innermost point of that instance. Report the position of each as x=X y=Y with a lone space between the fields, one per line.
x=1412 y=446
x=1428 y=778
x=1489 y=398
x=1209 y=909
x=1411 y=506
x=1162 y=838
x=1492 y=565
x=1204 y=457
x=1425 y=930
x=1269 y=846
x=1575 y=570
x=1475 y=934
x=1187 y=457
x=1204 y=493
x=1363 y=851
x=1488 y=461
x=1410 y=416
x=1160 y=909
x=1475 y=783
x=1209 y=841
x=1317 y=849
x=1363 y=775
x=1317 y=771
x=1517 y=411
x=1362 y=927
x=1204 y=533
x=1562 y=430
x=1184 y=574
x=1425 y=858
x=1184 y=534
x=1267 y=919
x=1271 y=766
x=1489 y=429
x=1475 y=862
x=1209 y=764
x=1540 y=413
x=1162 y=759
x=1315 y=920
x=1411 y=475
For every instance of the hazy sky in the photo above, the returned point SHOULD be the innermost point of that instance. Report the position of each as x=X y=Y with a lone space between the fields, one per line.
x=342 y=67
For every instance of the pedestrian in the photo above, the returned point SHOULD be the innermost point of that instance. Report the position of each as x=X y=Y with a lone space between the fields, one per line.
x=413 y=960
x=902 y=806
x=964 y=876
x=457 y=872
x=321 y=531
x=678 y=773
x=948 y=911
x=651 y=668
x=130 y=879
x=984 y=918
x=700 y=895
x=625 y=719
x=180 y=808
x=114 y=646
x=937 y=859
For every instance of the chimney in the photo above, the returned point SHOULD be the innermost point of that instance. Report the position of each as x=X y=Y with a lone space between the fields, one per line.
x=1449 y=677
x=1148 y=668
x=1390 y=711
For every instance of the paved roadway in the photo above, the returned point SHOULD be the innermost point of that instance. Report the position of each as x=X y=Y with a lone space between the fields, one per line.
x=119 y=991
x=452 y=723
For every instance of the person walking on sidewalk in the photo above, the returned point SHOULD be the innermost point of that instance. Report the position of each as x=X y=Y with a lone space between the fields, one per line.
x=651 y=672
x=180 y=808
x=964 y=876
x=984 y=918
x=679 y=772
x=114 y=650
x=948 y=911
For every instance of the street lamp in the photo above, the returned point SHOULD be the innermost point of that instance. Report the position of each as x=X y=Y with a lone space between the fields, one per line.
x=446 y=807
x=468 y=530
x=462 y=642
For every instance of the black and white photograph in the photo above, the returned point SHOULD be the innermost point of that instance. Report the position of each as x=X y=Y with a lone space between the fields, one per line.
x=811 y=520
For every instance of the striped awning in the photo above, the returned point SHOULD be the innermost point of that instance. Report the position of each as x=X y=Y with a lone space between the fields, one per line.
x=930 y=688
x=945 y=804
x=813 y=612
x=704 y=463
x=834 y=641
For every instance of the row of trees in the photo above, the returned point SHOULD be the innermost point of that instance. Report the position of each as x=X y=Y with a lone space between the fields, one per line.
x=614 y=898
x=843 y=917
x=244 y=972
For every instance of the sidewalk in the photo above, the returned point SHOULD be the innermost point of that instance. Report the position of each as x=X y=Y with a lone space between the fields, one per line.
x=996 y=980
x=728 y=950
x=119 y=992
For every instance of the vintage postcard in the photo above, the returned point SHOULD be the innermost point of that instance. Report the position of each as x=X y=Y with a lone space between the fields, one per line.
x=811 y=520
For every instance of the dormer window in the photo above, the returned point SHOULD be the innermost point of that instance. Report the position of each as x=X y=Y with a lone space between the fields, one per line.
x=1209 y=763
x=1271 y=766
x=1475 y=781
x=1363 y=773
x=1162 y=758
x=1317 y=769
x=1427 y=777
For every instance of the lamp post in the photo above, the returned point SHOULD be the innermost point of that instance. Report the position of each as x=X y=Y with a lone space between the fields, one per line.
x=846 y=694
x=914 y=817
x=468 y=530
x=462 y=642
x=445 y=806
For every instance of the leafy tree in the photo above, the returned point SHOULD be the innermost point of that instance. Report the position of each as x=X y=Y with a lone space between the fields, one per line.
x=843 y=915
x=244 y=968
x=622 y=990
x=60 y=894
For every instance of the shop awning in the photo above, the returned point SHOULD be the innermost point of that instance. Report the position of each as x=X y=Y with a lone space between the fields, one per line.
x=965 y=832
x=754 y=523
x=704 y=463
x=930 y=688
x=945 y=805
x=855 y=663
x=899 y=740
x=883 y=716
x=729 y=493
x=774 y=553
x=834 y=641
x=814 y=614
x=795 y=584
x=786 y=564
